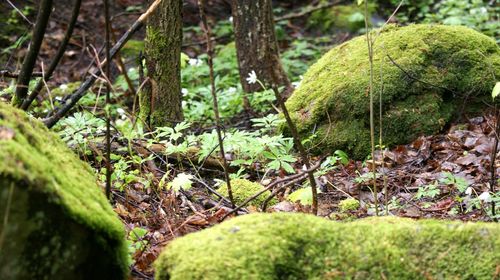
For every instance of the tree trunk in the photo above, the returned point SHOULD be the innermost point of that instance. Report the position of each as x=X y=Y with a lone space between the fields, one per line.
x=160 y=101
x=256 y=44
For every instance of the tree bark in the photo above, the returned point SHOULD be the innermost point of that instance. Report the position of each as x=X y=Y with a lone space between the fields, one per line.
x=161 y=99
x=256 y=44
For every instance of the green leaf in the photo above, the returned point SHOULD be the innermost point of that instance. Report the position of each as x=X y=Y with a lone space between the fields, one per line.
x=496 y=90
x=182 y=180
x=360 y=2
x=342 y=157
x=137 y=233
x=184 y=60
x=304 y=196
x=288 y=168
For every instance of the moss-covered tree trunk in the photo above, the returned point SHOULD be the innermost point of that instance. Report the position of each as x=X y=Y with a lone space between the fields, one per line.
x=160 y=101
x=256 y=44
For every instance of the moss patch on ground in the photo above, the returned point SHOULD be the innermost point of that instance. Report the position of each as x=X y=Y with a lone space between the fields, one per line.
x=426 y=73
x=243 y=189
x=300 y=246
x=60 y=225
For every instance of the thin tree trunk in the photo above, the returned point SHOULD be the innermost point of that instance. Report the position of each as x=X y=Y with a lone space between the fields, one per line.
x=256 y=44
x=55 y=61
x=160 y=101
x=34 y=48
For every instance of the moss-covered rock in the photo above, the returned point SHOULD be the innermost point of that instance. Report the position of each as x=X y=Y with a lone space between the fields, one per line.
x=300 y=246
x=243 y=189
x=59 y=224
x=435 y=72
x=348 y=204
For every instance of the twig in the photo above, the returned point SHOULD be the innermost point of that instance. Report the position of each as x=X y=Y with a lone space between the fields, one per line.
x=409 y=75
x=293 y=177
x=30 y=60
x=380 y=139
x=369 y=43
x=20 y=13
x=492 y=162
x=210 y=189
x=210 y=52
x=80 y=92
x=275 y=191
x=15 y=75
x=298 y=145
x=122 y=68
x=108 y=93
x=57 y=58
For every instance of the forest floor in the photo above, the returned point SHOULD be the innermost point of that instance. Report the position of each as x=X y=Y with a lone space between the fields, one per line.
x=441 y=176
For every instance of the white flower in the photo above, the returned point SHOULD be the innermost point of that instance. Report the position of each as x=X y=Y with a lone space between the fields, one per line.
x=468 y=191
x=252 y=77
x=63 y=87
x=230 y=19
x=120 y=111
x=195 y=62
x=485 y=197
x=184 y=91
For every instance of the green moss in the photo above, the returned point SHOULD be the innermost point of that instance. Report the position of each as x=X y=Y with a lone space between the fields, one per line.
x=243 y=189
x=299 y=246
x=132 y=48
x=349 y=204
x=444 y=67
x=60 y=224
x=160 y=99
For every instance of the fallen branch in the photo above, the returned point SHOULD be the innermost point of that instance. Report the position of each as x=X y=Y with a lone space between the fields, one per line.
x=15 y=75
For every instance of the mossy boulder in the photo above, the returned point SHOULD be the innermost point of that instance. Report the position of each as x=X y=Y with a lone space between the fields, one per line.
x=58 y=223
x=427 y=74
x=242 y=189
x=348 y=204
x=300 y=246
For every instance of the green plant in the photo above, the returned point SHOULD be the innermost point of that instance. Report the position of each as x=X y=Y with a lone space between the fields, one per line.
x=431 y=191
x=365 y=177
x=79 y=130
x=480 y=15
x=268 y=123
x=181 y=181
x=280 y=157
x=331 y=162
x=136 y=240
x=450 y=179
x=302 y=195
x=475 y=14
